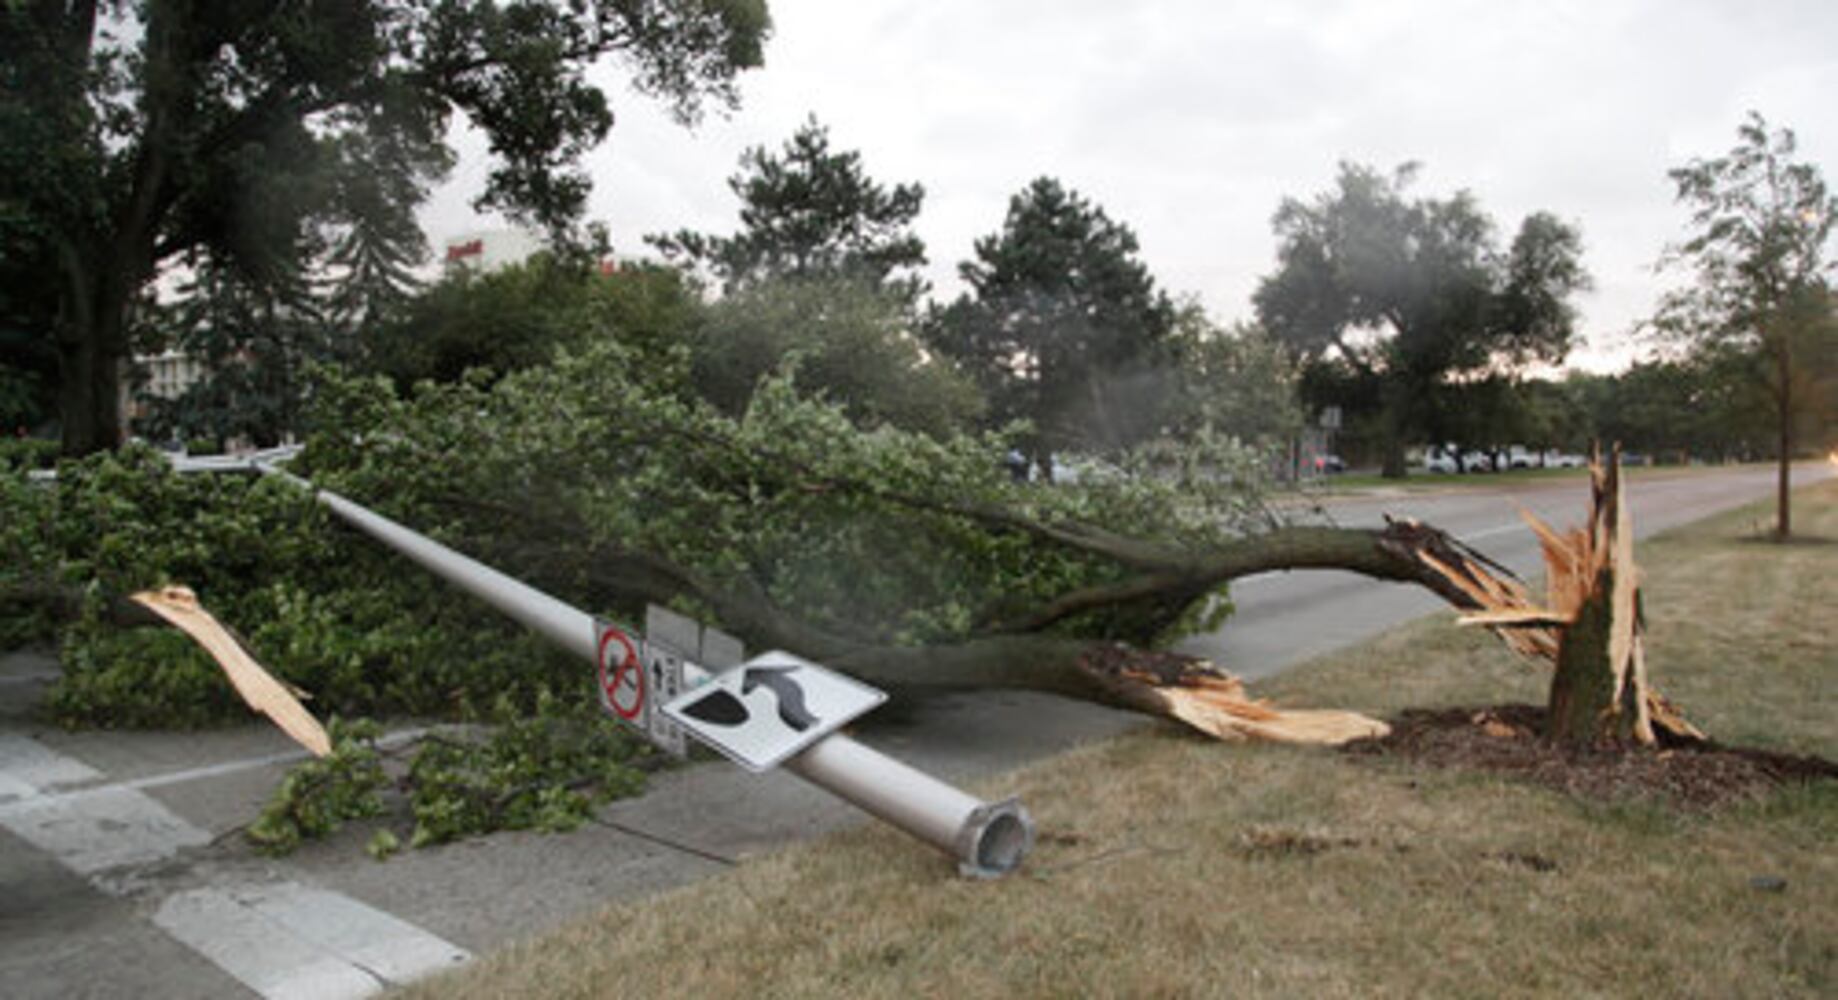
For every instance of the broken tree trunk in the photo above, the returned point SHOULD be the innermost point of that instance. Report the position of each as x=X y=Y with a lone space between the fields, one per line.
x=1599 y=689
x=1590 y=627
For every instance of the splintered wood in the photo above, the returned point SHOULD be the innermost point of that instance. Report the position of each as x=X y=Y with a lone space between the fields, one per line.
x=257 y=686
x=1222 y=709
x=1589 y=625
x=1214 y=702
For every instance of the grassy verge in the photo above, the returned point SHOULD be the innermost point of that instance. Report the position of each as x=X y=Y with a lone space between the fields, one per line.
x=1174 y=866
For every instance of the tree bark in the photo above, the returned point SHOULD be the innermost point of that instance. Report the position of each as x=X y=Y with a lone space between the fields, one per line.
x=91 y=359
x=1391 y=434
x=1588 y=706
x=106 y=264
x=1783 y=522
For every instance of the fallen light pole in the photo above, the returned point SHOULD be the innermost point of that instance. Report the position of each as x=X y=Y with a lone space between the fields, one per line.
x=988 y=839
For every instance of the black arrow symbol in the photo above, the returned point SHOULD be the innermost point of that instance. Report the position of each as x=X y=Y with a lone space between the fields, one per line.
x=718 y=707
x=791 y=697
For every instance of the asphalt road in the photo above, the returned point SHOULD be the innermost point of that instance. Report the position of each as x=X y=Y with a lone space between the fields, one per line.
x=120 y=874
x=1285 y=618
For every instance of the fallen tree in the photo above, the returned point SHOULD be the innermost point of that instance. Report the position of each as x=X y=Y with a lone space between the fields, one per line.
x=913 y=561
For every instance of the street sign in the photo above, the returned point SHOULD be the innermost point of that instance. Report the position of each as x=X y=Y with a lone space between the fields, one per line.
x=720 y=650
x=670 y=641
x=770 y=707
x=621 y=675
x=664 y=679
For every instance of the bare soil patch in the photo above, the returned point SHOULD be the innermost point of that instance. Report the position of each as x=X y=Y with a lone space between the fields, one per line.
x=1505 y=739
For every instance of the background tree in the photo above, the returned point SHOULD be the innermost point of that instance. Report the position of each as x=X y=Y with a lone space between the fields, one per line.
x=253 y=341
x=1414 y=293
x=846 y=339
x=136 y=135
x=518 y=317
x=501 y=321
x=1548 y=418
x=377 y=243
x=808 y=212
x=1063 y=325
x=1231 y=380
x=1763 y=222
x=1484 y=414
x=28 y=376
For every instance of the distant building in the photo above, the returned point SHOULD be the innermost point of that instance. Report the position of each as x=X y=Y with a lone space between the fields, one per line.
x=165 y=375
x=169 y=373
x=490 y=250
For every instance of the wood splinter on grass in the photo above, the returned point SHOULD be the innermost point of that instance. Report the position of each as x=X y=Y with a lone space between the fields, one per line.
x=1214 y=702
x=265 y=694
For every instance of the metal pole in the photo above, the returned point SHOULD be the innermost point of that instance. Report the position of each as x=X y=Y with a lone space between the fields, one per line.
x=989 y=839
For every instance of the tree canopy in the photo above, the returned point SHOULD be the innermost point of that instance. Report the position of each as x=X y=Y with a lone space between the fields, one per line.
x=846 y=338
x=1063 y=325
x=1415 y=292
x=1763 y=221
x=138 y=135
x=809 y=212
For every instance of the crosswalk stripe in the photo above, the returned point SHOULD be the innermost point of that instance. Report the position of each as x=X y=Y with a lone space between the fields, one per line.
x=281 y=939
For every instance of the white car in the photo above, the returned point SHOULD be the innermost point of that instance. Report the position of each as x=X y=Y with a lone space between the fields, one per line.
x=1443 y=459
x=1480 y=461
x=1083 y=469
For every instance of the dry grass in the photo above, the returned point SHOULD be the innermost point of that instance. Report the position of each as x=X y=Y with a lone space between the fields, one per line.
x=1173 y=866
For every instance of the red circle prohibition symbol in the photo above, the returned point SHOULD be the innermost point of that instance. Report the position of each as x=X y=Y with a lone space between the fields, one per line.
x=628 y=667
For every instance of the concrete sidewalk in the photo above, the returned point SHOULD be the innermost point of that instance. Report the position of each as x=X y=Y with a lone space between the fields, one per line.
x=126 y=876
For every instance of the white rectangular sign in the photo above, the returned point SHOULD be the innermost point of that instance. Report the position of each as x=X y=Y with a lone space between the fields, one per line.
x=664 y=676
x=671 y=640
x=770 y=707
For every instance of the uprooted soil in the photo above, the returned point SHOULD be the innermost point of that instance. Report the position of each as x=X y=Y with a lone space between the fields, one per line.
x=1505 y=739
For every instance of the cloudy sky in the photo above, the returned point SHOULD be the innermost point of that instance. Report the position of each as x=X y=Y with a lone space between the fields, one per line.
x=1190 y=121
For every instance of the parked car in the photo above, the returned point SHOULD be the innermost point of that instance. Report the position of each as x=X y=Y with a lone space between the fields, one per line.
x=1480 y=461
x=1555 y=459
x=1083 y=469
x=1437 y=459
x=1329 y=464
x=1443 y=458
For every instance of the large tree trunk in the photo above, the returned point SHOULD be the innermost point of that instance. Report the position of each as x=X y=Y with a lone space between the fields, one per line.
x=105 y=265
x=1022 y=651
x=1392 y=465
x=1783 y=522
x=90 y=363
x=1391 y=435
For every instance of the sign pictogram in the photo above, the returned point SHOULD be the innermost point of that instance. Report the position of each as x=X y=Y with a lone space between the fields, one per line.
x=770 y=707
x=621 y=675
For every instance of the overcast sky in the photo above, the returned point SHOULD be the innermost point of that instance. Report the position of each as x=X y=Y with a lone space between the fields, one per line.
x=1190 y=121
